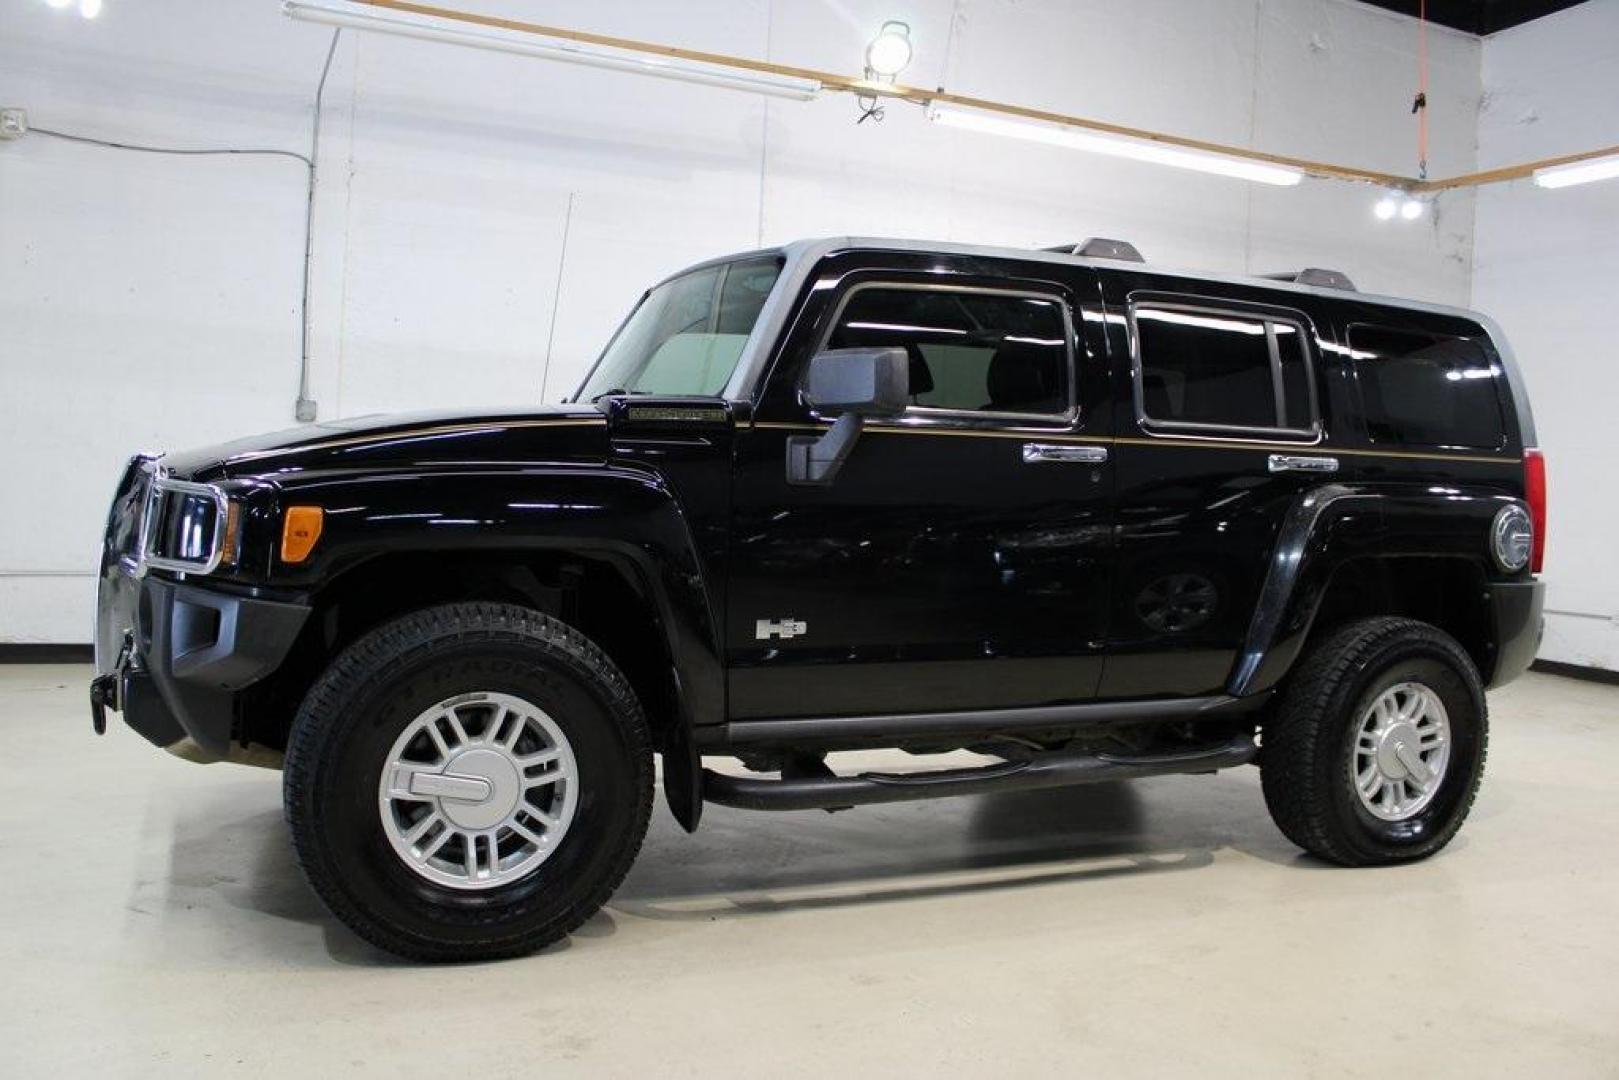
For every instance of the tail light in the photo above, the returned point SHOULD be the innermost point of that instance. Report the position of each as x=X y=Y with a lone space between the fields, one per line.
x=1534 y=493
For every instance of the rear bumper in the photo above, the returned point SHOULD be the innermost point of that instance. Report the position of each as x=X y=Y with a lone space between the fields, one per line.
x=1515 y=609
x=186 y=653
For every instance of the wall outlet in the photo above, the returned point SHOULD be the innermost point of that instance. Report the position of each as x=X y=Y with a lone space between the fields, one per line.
x=13 y=123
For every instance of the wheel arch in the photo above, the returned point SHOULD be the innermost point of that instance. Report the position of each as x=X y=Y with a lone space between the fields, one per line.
x=1353 y=551
x=608 y=553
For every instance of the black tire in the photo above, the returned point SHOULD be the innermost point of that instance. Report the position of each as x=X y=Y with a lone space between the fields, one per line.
x=1307 y=758
x=349 y=720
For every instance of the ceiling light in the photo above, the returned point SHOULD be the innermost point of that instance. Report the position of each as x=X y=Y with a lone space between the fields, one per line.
x=89 y=8
x=1578 y=172
x=1411 y=209
x=361 y=17
x=1137 y=149
x=59 y=3
x=1386 y=208
x=889 y=51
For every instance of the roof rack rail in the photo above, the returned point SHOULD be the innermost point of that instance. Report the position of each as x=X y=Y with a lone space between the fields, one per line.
x=1315 y=275
x=1098 y=247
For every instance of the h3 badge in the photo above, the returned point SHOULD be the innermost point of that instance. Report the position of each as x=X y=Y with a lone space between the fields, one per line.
x=781 y=629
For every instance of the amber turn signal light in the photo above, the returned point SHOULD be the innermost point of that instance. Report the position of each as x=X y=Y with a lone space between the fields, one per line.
x=299 y=532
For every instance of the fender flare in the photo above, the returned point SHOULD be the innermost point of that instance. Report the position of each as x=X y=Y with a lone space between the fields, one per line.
x=1333 y=524
x=624 y=515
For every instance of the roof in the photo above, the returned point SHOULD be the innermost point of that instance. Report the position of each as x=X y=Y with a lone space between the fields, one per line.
x=825 y=245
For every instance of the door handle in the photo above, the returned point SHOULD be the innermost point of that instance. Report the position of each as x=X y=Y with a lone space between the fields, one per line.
x=1307 y=463
x=1037 y=453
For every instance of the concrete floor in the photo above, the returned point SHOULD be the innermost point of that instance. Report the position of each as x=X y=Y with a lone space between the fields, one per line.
x=152 y=922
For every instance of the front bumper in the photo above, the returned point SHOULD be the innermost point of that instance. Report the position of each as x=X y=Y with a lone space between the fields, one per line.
x=184 y=655
x=1515 y=610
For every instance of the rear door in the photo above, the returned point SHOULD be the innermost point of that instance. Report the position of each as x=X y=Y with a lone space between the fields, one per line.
x=1224 y=419
x=961 y=558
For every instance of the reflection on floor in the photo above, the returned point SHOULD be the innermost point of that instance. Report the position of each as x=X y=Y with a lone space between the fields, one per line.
x=152 y=918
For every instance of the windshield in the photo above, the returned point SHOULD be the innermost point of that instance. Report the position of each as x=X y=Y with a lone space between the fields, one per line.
x=687 y=335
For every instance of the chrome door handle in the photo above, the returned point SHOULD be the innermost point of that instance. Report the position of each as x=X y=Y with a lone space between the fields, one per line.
x=1035 y=453
x=1302 y=463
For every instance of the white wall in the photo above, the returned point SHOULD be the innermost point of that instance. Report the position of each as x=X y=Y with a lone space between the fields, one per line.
x=1547 y=267
x=150 y=302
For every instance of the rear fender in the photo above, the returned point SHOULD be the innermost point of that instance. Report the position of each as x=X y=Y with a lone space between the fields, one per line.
x=1329 y=526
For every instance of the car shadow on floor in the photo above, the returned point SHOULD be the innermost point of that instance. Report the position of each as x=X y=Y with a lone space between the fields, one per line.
x=742 y=863
x=745 y=863
x=240 y=867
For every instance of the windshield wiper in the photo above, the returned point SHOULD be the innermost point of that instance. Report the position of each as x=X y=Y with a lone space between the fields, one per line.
x=619 y=390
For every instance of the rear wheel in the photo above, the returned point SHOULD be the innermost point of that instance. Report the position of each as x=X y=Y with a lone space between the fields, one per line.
x=1378 y=744
x=468 y=782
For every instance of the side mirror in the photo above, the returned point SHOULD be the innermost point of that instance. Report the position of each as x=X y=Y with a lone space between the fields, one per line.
x=849 y=384
x=868 y=382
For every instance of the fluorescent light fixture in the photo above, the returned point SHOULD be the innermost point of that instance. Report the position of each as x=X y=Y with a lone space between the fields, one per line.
x=1578 y=172
x=58 y=3
x=1411 y=209
x=1386 y=208
x=89 y=8
x=1137 y=149
x=406 y=24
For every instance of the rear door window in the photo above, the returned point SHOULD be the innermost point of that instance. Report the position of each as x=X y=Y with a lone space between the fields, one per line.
x=1423 y=389
x=1210 y=370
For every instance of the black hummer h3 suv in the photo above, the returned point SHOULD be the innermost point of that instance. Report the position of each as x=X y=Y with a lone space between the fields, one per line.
x=1092 y=519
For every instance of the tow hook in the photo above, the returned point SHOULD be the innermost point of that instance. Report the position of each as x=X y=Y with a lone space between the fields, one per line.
x=106 y=691
x=103 y=695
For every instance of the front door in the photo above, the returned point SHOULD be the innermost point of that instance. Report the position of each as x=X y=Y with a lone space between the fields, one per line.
x=961 y=558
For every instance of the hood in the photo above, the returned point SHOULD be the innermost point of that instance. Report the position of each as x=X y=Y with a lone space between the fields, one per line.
x=422 y=438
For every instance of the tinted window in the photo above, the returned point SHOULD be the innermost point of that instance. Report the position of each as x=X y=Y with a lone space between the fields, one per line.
x=979 y=352
x=1426 y=389
x=1298 y=408
x=1206 y=368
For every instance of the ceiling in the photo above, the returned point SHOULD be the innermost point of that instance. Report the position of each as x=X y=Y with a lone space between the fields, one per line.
x=1478 y=16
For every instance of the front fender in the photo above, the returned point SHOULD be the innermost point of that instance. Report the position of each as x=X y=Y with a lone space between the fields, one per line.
x=623 y=514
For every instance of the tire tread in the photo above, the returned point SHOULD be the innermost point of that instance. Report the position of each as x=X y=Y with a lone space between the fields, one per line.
x=1294 y=772
x=369 y=661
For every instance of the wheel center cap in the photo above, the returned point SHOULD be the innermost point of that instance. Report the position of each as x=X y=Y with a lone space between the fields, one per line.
x=485 y=769
x=1397 y=750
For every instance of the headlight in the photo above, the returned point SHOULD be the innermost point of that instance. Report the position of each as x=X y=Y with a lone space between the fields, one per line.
x=1512 y=538
x=189 y=528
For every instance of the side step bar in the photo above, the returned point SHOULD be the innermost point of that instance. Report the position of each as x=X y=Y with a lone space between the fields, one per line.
x=888 y=728
x=826 y=792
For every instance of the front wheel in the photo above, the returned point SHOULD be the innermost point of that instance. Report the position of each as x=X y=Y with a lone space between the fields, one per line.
x=468 y=782
x=1378 y=744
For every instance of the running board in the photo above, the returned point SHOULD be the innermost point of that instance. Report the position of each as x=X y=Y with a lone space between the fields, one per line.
x=1043 y=771
x=889 y=729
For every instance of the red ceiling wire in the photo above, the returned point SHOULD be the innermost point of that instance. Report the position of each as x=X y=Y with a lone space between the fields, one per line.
x=1420 y=105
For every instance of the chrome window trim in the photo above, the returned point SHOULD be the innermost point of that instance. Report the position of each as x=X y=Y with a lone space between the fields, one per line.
x=1269 y=316
x=1064 y=420
x=802 y=257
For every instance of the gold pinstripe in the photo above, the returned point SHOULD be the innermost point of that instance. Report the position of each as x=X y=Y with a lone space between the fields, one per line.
x=1170 y=443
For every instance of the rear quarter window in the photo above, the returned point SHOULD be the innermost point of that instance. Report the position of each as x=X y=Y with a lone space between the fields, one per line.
x=1422 y=389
